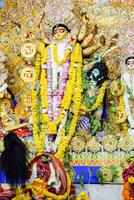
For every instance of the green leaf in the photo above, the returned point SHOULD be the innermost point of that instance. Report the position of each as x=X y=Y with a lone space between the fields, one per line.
x=113 y=170
x=113 y=109
x=82 y=176
x=96 y=124
x=100 y=176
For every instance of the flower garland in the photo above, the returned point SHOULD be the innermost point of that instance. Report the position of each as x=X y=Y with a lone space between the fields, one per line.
x=73 y=91
x=35 y=113
x=65 y=103
x=98 y=101
x=57 y=96
x=83 y=196
x=39 y=190
x=74 y=82
x=84 y=108
x=100 y=97
x=55 y=53
x=38 y=135
x=124 y=124
x=77 y=103
x=20 y=195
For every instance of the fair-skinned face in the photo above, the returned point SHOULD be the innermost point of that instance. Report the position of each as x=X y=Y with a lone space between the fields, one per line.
x=60 y=33
x=130 y=64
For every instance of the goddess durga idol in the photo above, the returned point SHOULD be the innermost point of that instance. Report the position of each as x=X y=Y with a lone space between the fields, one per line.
x=61 y=81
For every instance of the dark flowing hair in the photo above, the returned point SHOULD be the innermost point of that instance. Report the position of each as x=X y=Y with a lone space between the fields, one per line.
x=14 y=160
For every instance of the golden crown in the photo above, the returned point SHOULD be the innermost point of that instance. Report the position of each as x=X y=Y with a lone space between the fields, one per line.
x=59 y=12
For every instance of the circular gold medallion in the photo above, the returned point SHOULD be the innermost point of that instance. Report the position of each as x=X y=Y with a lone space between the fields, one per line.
x=28 y=50
x=27 y=74
x=27 y=99
x=120 y=114
x=78 y=144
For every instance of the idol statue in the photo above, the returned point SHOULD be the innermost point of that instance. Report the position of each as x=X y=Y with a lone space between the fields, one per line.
x=128 y=79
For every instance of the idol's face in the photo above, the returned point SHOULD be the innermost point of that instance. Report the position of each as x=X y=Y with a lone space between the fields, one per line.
x=60 y=33
x=130 y=64
x=94 y=76
x=95 y=72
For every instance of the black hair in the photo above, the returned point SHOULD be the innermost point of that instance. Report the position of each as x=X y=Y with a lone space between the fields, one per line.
x=14 y=160
x=131 y=57
x=103 y=69
x=61 y=25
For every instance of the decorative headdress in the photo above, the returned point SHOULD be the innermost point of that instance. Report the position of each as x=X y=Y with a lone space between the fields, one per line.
x=59 y=12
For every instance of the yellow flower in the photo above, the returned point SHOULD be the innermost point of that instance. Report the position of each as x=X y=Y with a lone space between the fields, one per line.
x=83 y=196
x=20 y=195
x=131 y=179
x=100 y=97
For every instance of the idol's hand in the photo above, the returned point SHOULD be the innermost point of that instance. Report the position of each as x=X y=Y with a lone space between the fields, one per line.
x=46 y=41
x=73 y=40
x=44 y=110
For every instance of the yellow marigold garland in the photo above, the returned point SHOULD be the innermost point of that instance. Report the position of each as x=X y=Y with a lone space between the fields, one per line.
x=73 y=89
x=43 y=77
x=99 y=100
x=20 y=195
x=52 y=125
x=35 y=113
x=100 y=97
x=42 y=191
x=124 y=124
x=77 y=103
x=84 y=108
x=38 y=134
x=74 y=73
x=55 y=53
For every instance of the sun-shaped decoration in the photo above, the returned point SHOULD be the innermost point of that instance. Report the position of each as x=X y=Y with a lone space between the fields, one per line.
x=78 y=144
x=93 y=145
x=110 y=143
x=126 y=143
